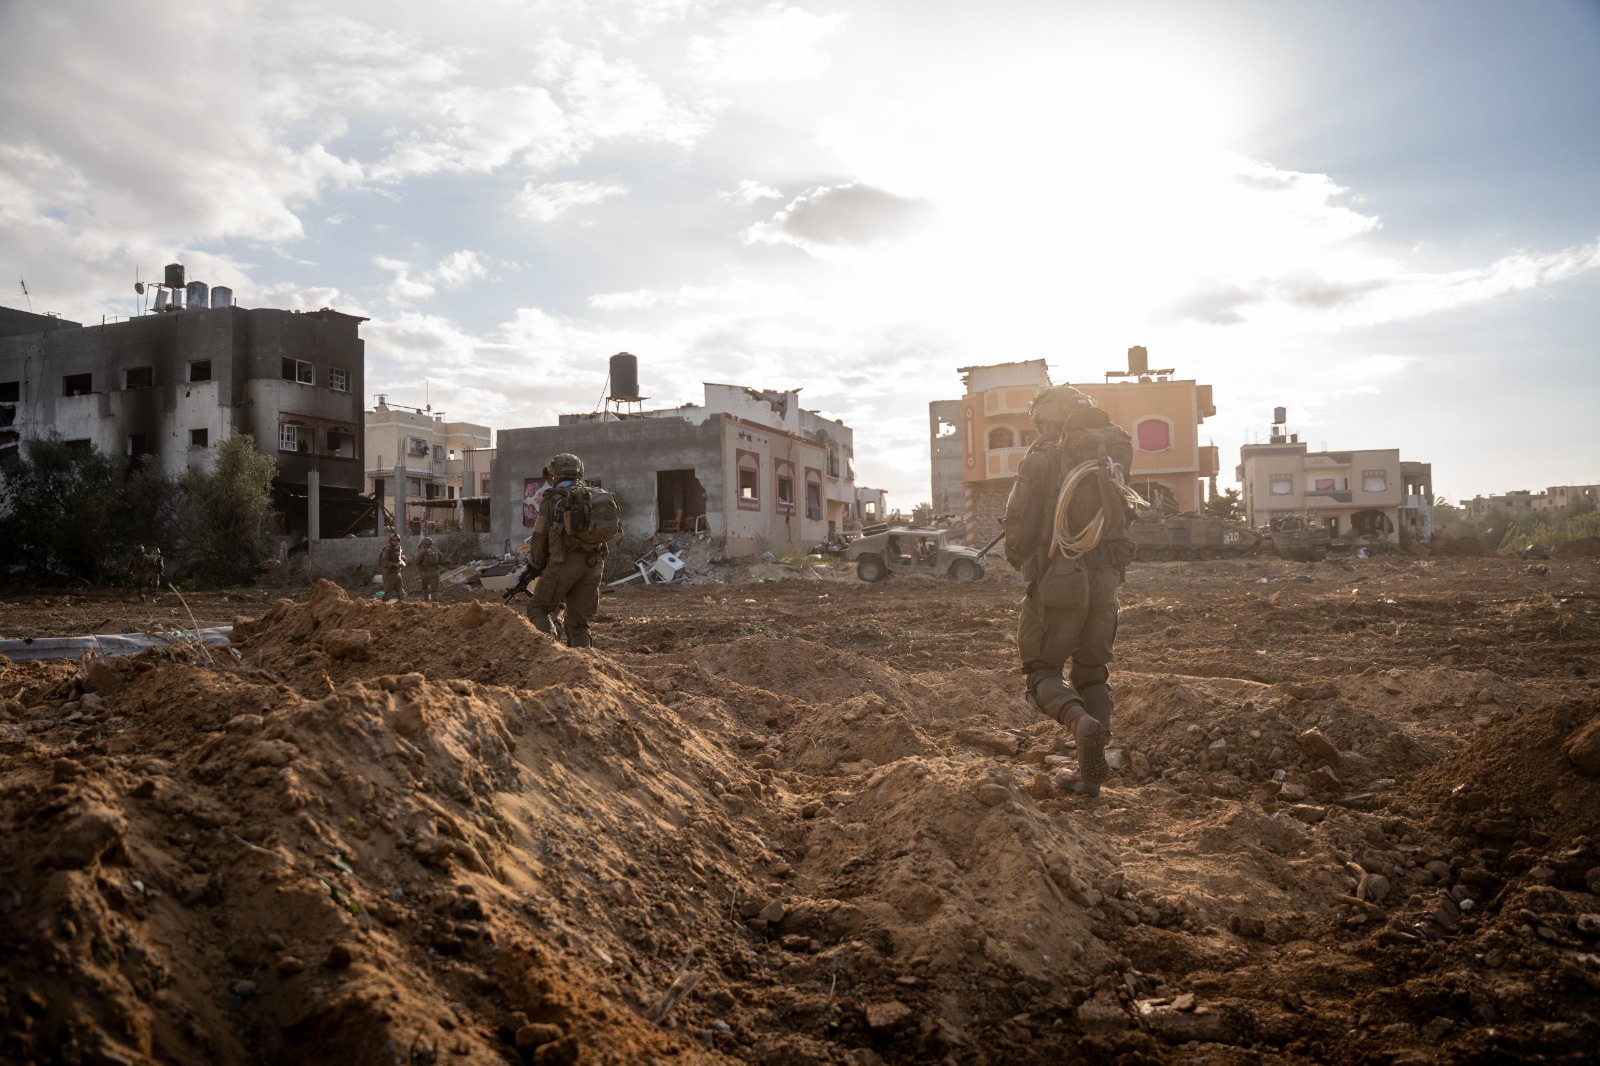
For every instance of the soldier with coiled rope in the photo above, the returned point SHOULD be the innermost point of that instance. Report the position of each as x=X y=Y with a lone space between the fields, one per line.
x=1066 y=530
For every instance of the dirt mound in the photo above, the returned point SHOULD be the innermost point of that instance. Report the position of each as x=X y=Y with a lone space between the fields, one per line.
x=1583 y=548
x=1457 y=547
x=788 y=822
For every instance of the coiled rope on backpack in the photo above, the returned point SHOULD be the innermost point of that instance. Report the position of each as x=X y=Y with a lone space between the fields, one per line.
x=1076 y=544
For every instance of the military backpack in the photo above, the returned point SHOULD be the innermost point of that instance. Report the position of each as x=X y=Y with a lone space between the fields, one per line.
x=590 y=515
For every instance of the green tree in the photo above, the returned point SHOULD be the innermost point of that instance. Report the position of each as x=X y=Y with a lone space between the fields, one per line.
x=1225 y=504
x=74 y=513
x=225 y=514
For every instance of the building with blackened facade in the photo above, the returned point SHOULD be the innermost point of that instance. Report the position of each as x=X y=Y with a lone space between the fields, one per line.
x=165 y=387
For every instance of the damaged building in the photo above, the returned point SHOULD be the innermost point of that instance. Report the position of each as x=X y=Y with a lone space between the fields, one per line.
x=166 y=386
x=750 y=467
x=990 y=430
x=1363 y=495
x=441 y=469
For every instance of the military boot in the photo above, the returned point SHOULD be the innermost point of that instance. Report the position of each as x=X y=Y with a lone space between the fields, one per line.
x=580 y=639
x=1098 y=702
x=1091 y=738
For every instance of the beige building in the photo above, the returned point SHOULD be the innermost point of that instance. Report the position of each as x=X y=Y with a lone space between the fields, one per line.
x=442 y=468
x=1359 y=493
x=1557 y=497
x=992 y=429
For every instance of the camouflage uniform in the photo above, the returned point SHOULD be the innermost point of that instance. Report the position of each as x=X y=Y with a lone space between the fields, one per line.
x=569 y=571
x=154 y=569
x=428 y=561
x=1070 y=610
x=392 y=560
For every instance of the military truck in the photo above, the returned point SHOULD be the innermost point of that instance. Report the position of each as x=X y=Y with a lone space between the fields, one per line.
x=1301 y=538
x=1189 y=535
x=904 y=550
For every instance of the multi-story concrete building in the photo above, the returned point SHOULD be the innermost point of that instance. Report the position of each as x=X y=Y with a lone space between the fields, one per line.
x=945 y=450
x=750 y=466
x=443 y=468
x=1525 y=501
x=1557 y=497
x=1358 y=493
x=168 y=385
x=1160 y=412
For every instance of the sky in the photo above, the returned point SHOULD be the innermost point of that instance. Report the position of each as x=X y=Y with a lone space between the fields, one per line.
x=1382 y=216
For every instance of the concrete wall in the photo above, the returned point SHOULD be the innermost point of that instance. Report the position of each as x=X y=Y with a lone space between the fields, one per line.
x=338 y=559
x=624 y=456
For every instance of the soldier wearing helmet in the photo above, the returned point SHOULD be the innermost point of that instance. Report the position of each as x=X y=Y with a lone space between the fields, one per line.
x=429 y=559
x=569 y=571
x=392 y=560
x=1065 y=530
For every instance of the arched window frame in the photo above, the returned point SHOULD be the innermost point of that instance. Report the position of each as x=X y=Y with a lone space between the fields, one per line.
x=1153 y=421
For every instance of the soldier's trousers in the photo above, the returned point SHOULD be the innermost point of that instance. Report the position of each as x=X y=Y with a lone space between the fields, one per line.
x=575 y=583
x=430 y=583
x=1070 y=615
x=393 y=587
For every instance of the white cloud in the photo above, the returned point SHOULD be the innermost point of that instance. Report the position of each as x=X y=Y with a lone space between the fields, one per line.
x=452 y=272
x=744 y=294
x=852 y=214
x=749 y=192
x=548 y=202
x=777 y=44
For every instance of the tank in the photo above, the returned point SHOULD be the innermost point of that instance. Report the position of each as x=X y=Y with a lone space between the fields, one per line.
x=625 y=376
x=174 y=278
x=1189 y=535
x=221 y=296
x=197 y=296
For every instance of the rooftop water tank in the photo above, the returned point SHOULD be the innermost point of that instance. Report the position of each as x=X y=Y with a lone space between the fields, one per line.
x=221 y=296
x=198 y=295
x=625 y=377
x=174 y=279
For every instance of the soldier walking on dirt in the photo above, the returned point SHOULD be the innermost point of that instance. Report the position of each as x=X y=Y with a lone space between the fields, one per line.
x=567 y=549
x=392 y=560
x=429 y=560
x=148 y=568
x=1065 y=530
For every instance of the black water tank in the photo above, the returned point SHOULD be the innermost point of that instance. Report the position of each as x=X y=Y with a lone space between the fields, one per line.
x=1278 y=414
x=1138 y=359
x=174 y=276
x=625 y=377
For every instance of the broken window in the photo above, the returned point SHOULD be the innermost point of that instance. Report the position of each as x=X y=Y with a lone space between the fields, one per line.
x=293 y=437
x=77 y=384
x=138 y=444
x=783 y=475
x=10 y=396
x=749 y=483
x=299 y=370
x=200 y=370
x=946 y=429
x=138 y=377
x=813 y=494
x=199 y=438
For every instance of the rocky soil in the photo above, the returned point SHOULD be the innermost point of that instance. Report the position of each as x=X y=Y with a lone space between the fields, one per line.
x=805 y=820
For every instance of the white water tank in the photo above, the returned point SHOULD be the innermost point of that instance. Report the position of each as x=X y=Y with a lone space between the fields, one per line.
x=221 y=296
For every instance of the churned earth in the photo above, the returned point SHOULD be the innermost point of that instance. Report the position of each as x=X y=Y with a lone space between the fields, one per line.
x=806 y=820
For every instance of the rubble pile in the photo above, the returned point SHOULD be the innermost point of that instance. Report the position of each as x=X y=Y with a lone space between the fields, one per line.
x=789 y=822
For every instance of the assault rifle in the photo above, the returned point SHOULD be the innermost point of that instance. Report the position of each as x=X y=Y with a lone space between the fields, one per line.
x=527 y=577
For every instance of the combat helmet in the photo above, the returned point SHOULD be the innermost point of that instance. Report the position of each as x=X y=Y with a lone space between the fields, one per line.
x=566 y=465
x=1057 y=403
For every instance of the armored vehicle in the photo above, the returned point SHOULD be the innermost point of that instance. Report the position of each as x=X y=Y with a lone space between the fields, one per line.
x=1301 y=538
x=913 y=551
x=1189 y=535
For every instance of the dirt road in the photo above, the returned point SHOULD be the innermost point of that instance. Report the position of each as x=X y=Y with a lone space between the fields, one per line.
x=809 y=820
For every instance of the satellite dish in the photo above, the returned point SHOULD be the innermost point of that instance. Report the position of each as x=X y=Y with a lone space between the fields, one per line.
x=138 y=287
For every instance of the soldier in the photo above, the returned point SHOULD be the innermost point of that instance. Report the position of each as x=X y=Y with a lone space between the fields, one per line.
x=392 y=560
x=428 y=561
x=154 y=569
x=1064 y=529
x=567 y=548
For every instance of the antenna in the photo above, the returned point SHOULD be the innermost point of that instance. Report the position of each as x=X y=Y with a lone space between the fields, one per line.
x=25 y=295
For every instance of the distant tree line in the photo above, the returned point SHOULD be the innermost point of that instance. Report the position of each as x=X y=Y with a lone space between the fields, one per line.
x=70 y=513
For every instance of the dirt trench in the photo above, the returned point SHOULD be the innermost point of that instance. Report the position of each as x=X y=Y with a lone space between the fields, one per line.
x=810 y=821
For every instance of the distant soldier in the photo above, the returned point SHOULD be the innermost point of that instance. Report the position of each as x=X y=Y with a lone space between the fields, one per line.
x=567 y=549
x=429 y=559
x=154 y=570
x=391 y=561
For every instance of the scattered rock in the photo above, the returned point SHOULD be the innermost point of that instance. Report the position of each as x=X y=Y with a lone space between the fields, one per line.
x=1318 y=748
x=991 y=794
x=1583 y=748
x=349 y=644
x=1103 y=1013
x=84 y=838
x=886 y=1015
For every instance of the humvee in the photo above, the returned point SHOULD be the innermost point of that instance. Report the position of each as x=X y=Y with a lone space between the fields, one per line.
x=913 y=551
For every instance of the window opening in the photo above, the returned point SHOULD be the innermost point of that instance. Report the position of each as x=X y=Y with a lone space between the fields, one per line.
x=299 y=370
x=138 y=377
x=200 y=370
x=77 y=384
x=199 y=438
